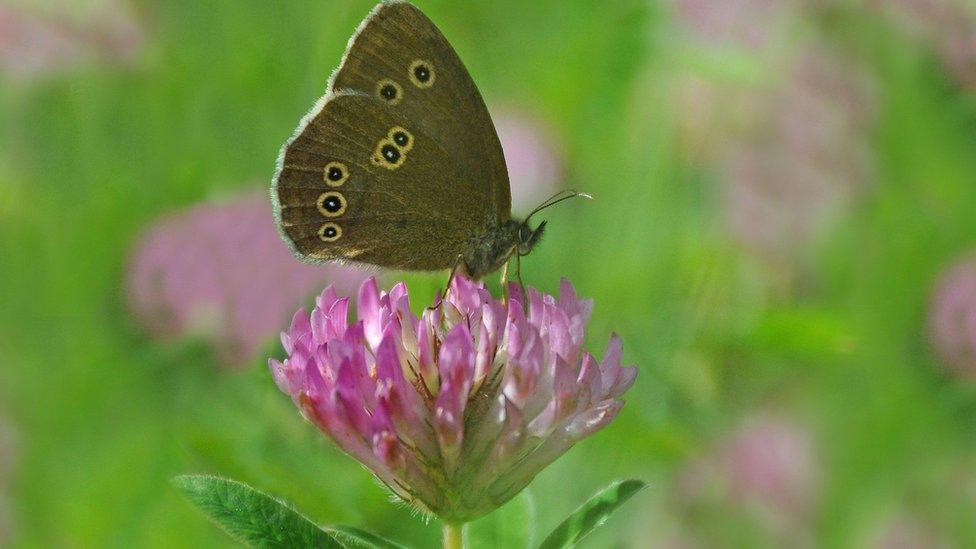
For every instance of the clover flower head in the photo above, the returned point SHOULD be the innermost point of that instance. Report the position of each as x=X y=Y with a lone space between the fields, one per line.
x=218 y=272
x=952 y=318
x=36 y=42
x=456 y=410
x=772 y=461
x=768 y=468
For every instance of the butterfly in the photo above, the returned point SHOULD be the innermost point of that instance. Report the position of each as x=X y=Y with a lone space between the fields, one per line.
x=399 y=164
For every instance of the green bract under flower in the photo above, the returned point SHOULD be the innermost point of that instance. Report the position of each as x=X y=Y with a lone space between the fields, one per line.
x=458 y=410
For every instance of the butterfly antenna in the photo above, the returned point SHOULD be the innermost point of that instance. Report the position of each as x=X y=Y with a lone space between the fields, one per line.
x=565 y=194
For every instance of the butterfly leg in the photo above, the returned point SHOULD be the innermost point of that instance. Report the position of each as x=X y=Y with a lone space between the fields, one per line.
x=450 y=279
x=518 y=274
x=504 y=283
x=518 y=277
x=518 y=271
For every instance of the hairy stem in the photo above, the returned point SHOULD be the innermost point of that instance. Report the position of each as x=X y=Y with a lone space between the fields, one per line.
x=452 y=536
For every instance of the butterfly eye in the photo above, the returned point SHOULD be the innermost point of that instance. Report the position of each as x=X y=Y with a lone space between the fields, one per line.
x=335 y=174
x=422 y=73
x=330 y=232
x=389 y=91
x=331 y=204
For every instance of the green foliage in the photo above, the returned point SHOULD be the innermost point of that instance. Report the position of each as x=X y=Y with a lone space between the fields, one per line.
x=251 y=516
x=356 y=538
x=511 y=525
x=591 y=514
x=264 y=521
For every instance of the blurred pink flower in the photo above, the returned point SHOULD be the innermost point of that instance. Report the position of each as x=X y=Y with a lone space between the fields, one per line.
x=747 y=24
x=790 y=145
x=532 y=153
x=771 y=462
x=949 y=26
x=789 y=158
x=458 y=410
x=710 y=107
x=221 y=272
x=806 y=158
x=35 y=42
x=767 y=467
x=952 y=318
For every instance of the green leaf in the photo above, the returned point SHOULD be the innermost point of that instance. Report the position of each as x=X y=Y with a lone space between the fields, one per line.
x=252 y=516
x=512 y=525
x=355 y=538
x=591 y=514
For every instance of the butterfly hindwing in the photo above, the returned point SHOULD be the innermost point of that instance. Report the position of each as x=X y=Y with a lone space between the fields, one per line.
x=361 y=182
x=401 y=58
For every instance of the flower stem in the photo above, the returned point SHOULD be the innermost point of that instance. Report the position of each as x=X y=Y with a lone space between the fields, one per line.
x=452 y=536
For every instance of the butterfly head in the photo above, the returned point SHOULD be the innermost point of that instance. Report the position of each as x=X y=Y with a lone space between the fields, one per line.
x=487 y=252
x=528 y=237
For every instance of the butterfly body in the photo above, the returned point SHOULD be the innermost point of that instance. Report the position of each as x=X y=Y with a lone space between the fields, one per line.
x=399 y=164
x=487 y=252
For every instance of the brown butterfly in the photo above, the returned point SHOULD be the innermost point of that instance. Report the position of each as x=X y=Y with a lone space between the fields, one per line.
x=399 y=164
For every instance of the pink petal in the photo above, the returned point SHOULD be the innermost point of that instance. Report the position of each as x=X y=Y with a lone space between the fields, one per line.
x=575 y=308
x=320 y=327
x=523 y=370
x=338 y=315
x=397 y=293
x=456 y=367
x=386 y=446
x=465 y=295
x=426 y=361
x=484 y=355
x=590 y=379
x=456 y=364
x=370 y=311
x=536 y=308
x=560 y=339
x=450 y=430
x=616 y=380
x=388 y=367
x=325 y=300
x=279 y=374
x=301 y=328
x=515 y=295
x=562 y=402
x=286 y=342
x=594 y=419
x=351 y=399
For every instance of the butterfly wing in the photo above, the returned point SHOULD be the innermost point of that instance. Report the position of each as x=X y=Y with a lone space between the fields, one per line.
x=400 y=57
x=362 y=182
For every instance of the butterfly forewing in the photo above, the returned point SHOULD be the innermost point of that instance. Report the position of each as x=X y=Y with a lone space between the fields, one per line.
x=399 y=164
x=400 y=57
x=338 y=198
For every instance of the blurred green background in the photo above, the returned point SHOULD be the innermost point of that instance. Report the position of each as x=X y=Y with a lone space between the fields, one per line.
x=781 y=188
